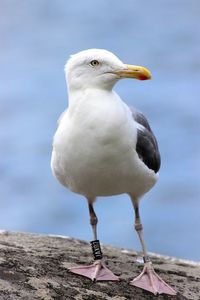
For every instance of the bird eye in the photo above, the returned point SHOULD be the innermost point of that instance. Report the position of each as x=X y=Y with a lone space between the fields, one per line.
x=94 y=63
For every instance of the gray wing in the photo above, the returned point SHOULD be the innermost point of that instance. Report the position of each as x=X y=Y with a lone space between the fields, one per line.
x=147 y=146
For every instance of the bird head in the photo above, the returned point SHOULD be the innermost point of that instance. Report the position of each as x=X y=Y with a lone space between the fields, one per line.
x=99 y=68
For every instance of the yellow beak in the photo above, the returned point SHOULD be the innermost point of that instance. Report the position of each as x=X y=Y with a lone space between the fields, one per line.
x=136 y=72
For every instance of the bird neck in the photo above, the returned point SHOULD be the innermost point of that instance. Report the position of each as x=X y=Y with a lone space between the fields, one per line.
x=88 y=95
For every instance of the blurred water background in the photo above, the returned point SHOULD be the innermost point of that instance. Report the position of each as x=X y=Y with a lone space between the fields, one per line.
x=36 y=39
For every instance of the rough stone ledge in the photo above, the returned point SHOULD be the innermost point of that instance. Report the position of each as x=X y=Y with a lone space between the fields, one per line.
x=35 y=267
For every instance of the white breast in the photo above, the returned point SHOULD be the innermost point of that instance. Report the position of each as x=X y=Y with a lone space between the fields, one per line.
x=94 y=148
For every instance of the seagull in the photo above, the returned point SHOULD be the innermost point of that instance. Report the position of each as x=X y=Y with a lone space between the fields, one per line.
x=103 y=147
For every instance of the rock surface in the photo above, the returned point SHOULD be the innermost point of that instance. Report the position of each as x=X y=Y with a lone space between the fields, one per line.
x=35 y=267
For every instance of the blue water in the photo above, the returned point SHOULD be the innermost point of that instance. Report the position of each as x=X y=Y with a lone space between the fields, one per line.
x=36 y=39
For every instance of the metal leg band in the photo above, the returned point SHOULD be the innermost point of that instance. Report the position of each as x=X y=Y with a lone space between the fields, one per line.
x=96 y=249
x=146 y=259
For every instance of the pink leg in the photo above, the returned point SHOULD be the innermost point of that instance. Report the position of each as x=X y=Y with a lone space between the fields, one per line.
x=148 y=279
x=98 y=270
